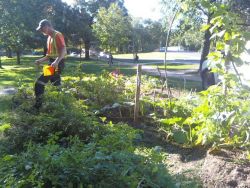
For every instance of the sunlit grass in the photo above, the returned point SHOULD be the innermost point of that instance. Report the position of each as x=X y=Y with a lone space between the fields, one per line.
x=15 y=75
x=178 y=66
x=157 y=55
x=97 y=67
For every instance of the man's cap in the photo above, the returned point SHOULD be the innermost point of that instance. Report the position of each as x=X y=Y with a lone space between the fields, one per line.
x=43 y=23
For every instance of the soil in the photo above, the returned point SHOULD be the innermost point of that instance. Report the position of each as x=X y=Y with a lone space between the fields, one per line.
x=200 y=167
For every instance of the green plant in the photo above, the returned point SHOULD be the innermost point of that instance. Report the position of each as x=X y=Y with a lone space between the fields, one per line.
x=60 y=113
x=110 y=159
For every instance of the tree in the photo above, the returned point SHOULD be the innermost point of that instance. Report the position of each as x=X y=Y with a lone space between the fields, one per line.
x=241 y=7
x=187 y=31
x=147 y=35
x=91 y=7
x=230 y=38
x=76 y=26
x=205 y=9
x=12 y=28
x=19 y=19
x=112 y=27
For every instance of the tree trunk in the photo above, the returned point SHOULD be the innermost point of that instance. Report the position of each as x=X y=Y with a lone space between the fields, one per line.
x=0 y=63
x=87 y=47
x=18 y=54
x=9 y=52
x=206 y=44
x=137 y=94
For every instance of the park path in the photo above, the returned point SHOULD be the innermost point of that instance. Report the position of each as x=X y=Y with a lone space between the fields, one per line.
x=8 y=91
x=189 y=74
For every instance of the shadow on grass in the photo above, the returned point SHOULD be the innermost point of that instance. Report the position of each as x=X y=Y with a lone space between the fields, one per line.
x=5 y=103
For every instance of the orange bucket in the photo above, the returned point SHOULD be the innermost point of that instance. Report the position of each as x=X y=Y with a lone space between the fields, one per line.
x=48 y=70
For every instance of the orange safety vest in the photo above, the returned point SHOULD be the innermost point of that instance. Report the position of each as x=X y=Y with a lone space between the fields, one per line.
x=51 y=44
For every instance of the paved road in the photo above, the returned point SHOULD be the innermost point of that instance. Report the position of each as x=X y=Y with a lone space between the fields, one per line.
x=182 y=74
x=7 y=91
x=181 y=58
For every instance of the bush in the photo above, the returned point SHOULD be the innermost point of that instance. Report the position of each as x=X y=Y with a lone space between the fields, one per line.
x=109 y=160
x=64 y=145
x=60 y=113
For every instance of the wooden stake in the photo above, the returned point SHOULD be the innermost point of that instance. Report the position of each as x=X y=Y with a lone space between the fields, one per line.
x=137 y=94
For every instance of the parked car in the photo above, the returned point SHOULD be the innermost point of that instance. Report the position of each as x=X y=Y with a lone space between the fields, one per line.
x=73 y=54
x=104 y=55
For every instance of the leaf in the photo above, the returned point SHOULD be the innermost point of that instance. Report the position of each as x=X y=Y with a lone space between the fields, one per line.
x=227 y=36
x=8 y=157
x=212 y=28
x=4 y=127
x=180 y=137
x=103 y=119
x=199 y=139
x=221 y=34
x=172 y=121
x=205 y=27
x=220 y=46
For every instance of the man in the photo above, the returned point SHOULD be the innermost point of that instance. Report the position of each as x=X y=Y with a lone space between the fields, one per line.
x=56 y=52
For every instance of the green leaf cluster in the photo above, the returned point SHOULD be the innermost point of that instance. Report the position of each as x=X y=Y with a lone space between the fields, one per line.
x=65 y=145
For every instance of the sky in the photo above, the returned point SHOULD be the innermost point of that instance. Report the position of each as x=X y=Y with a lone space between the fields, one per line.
x=140 y=8
x=144 y=8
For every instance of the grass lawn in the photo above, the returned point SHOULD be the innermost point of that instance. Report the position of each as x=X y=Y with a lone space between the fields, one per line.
x=96 y=67
x=173 y=66
x=13 y=75
x=159 y=55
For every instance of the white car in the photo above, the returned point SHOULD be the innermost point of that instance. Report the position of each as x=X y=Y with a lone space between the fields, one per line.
x=104 y=55
x=73 y=54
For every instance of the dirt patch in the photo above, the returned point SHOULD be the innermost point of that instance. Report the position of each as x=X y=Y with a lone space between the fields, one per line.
x=223 y=170
x=204 y=168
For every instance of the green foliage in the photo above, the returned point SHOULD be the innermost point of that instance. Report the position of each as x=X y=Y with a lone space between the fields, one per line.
x=61 y=113
x=111 y=35
x=222 y=123
x=209 y=121
x=65 y=145
x=104 y=89
x=86 y=165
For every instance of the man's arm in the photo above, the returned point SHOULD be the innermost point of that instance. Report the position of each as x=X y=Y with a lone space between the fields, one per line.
x=39 y=61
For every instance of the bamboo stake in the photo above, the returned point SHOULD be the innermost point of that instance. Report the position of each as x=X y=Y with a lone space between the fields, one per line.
x=137 y=94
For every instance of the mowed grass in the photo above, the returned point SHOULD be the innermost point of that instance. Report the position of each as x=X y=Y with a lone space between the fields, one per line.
x=13 y=75
x=97 y=67
x=174 y=66
x=160 y=55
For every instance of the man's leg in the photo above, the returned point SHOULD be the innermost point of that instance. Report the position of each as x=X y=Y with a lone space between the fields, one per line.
x=39 y=89
x=56 y=78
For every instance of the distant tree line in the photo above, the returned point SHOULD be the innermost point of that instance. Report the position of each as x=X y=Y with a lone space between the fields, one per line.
x=102 y=25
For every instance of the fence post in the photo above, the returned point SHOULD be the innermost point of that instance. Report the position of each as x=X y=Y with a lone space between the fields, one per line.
x=137 y=94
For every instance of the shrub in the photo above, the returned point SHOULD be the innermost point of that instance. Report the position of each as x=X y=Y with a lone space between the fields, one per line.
x=60 y=113
x=109 y=160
